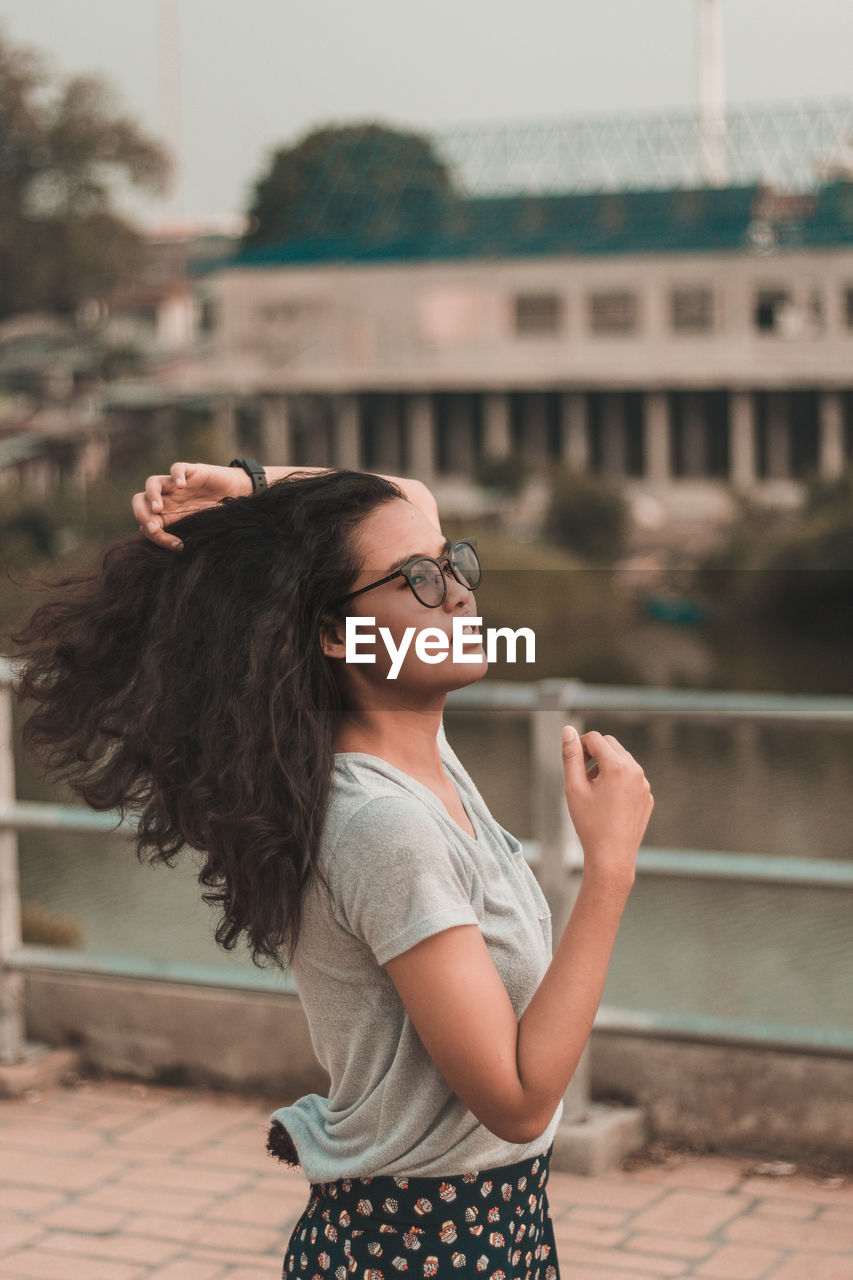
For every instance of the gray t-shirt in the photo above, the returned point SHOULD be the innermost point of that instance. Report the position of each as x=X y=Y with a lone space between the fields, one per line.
x=401 y=869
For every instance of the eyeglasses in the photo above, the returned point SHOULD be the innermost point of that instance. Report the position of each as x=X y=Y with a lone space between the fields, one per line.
x=426 y=578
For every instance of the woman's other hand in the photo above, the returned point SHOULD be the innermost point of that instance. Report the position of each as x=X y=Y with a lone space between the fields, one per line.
x=610 y=805
x=189 y=487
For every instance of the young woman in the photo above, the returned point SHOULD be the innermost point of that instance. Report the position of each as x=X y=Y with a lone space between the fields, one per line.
x=200 y=676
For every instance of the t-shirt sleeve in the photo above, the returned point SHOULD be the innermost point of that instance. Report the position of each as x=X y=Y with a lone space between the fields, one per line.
x=396 y=877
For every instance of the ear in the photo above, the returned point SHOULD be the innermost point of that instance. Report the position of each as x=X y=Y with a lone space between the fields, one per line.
x=333 y=637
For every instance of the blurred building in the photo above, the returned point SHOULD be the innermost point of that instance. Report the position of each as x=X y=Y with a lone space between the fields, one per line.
x=662 y=334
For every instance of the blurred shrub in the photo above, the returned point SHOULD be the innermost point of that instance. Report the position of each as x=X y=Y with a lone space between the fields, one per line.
x=505 y=475
x=43 y=928
x=587 y=515
x=791 y=570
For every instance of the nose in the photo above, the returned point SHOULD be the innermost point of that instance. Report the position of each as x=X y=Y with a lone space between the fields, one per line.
x=457 y=592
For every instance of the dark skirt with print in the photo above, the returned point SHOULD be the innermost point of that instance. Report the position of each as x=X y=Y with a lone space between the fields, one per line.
x=494 y=1223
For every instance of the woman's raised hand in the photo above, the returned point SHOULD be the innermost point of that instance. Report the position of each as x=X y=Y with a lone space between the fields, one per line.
x=189 y=487
x=610 y=805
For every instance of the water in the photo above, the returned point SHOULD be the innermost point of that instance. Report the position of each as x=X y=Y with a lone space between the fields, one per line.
x=742 y=952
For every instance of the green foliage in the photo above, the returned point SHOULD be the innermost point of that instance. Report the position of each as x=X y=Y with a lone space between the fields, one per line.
x=62 y=148
x=505 y=474
x=362 y=180
x=793 y=572
x=587 y=515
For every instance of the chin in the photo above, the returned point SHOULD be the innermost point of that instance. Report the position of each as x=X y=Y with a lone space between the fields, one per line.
x=460 y=674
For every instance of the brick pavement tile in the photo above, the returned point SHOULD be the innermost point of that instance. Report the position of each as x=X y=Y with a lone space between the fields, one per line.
x=567 y=1190
x=236 y=1258
x=598 y=1273
x=74 y=1216
x=786 y=1209
x=39 y=1264
x=122 y=1245
x=42 y=1135
x=569 y=1229
x=840 y=1215
x=190 y=1269
x=181 y=1176
x=15 y=1234
x=37 y=1169
x=239 y=1236
x=178 y=1204
x=580 y=1260
x=273 y=1211
x=814 y=1266
x=598 y=1217
x=792 y=1235
x=693 y=1213
x=705 y=1173
x=679 y=1246
x=30 y=1200
x=797 y=1188
x=739 y=1262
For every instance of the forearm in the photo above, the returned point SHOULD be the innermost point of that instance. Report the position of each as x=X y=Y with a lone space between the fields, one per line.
x=556 y=1025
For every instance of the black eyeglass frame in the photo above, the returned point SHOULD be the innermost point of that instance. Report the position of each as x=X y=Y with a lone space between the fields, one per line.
x=405 y=570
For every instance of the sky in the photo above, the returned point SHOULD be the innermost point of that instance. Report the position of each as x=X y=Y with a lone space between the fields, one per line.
x=226 y=82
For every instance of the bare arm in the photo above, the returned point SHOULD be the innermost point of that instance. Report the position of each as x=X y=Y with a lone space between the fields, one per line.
x=191 y=486
x=512 y=1072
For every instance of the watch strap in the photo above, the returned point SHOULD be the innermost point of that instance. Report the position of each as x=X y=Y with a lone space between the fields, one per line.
x=253 y=470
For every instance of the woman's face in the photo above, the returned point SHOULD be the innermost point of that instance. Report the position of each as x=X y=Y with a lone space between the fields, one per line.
x=392 y=534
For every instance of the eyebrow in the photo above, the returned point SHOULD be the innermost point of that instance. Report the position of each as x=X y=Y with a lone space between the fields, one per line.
x=414 y=555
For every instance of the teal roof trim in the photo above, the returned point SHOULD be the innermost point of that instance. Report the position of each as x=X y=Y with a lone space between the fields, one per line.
x=702 y=220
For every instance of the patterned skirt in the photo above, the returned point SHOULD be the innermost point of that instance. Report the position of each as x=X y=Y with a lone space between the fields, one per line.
x=495 y=1223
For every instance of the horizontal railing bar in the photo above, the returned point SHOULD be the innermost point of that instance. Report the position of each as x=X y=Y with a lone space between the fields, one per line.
x=28 y=815
x=699 y=1026
x=716 y=704
x=577 y=696
x=111 y=965
x=818 y=872
x=610 y=1018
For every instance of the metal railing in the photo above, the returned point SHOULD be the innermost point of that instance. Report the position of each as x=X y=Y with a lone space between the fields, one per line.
x=553 y=849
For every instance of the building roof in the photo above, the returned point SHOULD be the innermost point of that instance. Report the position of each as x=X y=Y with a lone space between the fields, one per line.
x=703 y=219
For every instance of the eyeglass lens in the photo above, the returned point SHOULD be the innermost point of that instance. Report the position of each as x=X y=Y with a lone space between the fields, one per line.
x=426 y=576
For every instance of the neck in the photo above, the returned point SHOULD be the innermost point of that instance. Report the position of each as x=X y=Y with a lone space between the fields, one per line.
x=405 y=737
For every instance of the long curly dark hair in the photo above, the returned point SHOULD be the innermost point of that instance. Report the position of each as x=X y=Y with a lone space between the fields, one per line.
x=191 y=687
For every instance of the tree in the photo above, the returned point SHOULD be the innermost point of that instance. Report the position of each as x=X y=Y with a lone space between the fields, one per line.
x=63 y=148
x=362 y=181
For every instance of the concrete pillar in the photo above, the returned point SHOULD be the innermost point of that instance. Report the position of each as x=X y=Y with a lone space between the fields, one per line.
x=225 y=430
x=497 y=436
x=276 y=432
x=387 y=450
x=346 y=452
x=574 y=430
x=612 y=434
x=742 y=439
x=419 y=413
x=831 y=434
x=778 y=436
x=693 y=449
x=460 y=437
x=658 y=452
x=535 y=426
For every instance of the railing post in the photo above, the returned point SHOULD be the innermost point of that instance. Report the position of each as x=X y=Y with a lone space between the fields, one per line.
x=560 y=853
x=11 y=982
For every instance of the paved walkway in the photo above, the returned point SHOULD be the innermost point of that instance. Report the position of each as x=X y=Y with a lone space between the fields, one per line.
x=114 y=1180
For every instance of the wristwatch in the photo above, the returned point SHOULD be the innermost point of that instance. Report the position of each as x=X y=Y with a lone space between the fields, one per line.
x=253 y=470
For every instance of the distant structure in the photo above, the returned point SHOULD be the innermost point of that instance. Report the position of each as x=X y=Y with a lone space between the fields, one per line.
x=598 y=293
